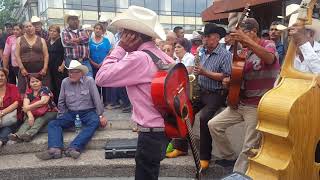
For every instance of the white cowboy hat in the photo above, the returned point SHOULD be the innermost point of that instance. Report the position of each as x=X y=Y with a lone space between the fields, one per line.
x=141 y=20
x=315 y=26
x=70 y=13
x=104 y=19
x=35 y=19
x=195 y=36
x=87 y=27
x=74 y=64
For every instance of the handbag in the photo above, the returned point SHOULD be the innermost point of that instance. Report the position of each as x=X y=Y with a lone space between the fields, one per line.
x=40 y=111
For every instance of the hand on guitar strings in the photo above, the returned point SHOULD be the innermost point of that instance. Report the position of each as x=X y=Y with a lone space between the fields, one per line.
x=241 y=36
x=298 y=33
x=130 y=40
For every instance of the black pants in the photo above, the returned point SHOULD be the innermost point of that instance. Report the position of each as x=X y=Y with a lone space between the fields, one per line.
x=209 y=104
x=56 y=80
x=13 y=74
x=151 y=150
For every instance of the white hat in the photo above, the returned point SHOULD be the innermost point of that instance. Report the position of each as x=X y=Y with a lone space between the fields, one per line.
x=35 y=19
x=104 y=19
x=291 y=10
x=70 y=13
x=74 y=64
x=87 y=27
x=196 y=36
x=141 y=20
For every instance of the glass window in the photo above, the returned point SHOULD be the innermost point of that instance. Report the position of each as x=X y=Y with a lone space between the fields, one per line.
x=107 y=5
x=201 y=6
x=152 y=4
x=89 y=5
x=177 y=7
x=122 y=5
x=189 y=6
x=165 y=7
x=137 y=2
x=55 y=3
x=72 y=4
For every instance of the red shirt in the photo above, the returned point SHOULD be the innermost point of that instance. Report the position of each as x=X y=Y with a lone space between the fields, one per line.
x=12 y=94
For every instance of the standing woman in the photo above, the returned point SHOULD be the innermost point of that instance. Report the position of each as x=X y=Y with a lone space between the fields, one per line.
x=183 y=56
x=32 y=56
x=9 y=53
x=56 y=60
x=99 y=47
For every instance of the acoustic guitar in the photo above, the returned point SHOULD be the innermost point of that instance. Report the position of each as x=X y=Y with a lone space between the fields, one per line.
x=170 y=95
x=289 y=120
x=238 y=63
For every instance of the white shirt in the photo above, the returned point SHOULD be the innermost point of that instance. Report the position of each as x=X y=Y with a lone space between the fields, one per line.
x=187 y=60
x=311 y=56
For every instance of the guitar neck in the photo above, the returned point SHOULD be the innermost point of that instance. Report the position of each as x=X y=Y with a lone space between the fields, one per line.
x=194 y=148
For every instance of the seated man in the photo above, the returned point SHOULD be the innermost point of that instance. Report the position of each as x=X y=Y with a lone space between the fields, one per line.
x=78 y=97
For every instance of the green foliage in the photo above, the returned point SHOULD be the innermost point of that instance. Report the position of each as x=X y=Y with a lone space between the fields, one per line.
x=6 y=9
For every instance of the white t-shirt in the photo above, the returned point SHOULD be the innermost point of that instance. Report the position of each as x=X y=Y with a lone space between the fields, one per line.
x=187 y=60
x=311 y=55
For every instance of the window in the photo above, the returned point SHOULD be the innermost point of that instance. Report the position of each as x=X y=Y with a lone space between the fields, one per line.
x=90 y=5
x=152 y=4
x=200 y=6
x=189 y=6
x=55 y=3
x=72 y=4
x=177 y=7
x=122 y=5
x=137 y=2
x=165 y=7
x=107 y=5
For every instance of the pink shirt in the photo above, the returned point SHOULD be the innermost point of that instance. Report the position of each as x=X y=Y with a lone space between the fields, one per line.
x=10 y=49
x=135 y=71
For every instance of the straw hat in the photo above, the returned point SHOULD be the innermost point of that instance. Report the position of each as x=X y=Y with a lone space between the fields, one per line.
x=141 y=20
x=70 y=13
x=35 y=19
x=74 y=64
x=291 y=10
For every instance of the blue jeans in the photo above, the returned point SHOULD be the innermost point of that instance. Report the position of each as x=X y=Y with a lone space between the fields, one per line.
x=4 y=132
x=90 y=122
x=84 y=62
x=123 y=96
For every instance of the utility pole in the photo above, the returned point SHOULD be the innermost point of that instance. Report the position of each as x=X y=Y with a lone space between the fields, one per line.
x=99 y=10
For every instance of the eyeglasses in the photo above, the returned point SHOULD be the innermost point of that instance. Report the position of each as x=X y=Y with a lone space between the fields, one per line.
x=74 y=72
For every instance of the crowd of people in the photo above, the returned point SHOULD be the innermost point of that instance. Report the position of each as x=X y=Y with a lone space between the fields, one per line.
x=49 y=78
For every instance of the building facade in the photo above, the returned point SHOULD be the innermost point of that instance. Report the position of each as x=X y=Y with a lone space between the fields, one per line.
x=186 y=13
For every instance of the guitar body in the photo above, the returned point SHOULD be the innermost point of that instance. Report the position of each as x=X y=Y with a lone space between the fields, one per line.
x=236 y=81
x=170 y=91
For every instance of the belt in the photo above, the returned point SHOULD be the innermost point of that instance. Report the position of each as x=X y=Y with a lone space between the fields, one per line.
x=144 y=129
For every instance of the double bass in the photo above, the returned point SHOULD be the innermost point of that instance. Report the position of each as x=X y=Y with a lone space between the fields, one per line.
x=289 y=120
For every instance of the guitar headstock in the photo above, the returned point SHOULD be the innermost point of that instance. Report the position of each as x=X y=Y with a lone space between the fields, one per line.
x=306 y=11
x=244 y=14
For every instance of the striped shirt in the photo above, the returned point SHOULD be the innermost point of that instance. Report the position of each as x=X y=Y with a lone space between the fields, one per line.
x=218 y=61
x=259 y=77
x=72 y=50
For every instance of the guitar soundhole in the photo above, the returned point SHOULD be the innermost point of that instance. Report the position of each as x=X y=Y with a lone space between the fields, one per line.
x=184 y=112
x=317 y=155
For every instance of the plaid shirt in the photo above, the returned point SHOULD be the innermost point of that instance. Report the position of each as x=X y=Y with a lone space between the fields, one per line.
x=73 y=50
x=43 y=34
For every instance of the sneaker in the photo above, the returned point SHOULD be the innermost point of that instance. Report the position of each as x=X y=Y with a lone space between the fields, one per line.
x=170 y=148
x=26 y=137
x=175 y=153
x=71 y=152
x=14 y=137
x=113 y=106
x=46 y=155
x=204 y=164
x=10 y=142
x=126 y=109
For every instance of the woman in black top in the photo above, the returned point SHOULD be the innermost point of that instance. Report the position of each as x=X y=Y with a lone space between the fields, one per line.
x=56 y=62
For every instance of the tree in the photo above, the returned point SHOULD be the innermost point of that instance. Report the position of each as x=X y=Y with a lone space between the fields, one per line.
x=6 y=9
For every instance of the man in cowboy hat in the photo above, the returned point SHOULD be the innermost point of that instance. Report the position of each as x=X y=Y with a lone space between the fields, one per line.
x=306 y=37
x=129 y=65
x=260 y=72
x=215 y=64
x=75 y=41
x=36 y=22
x=78 y=97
